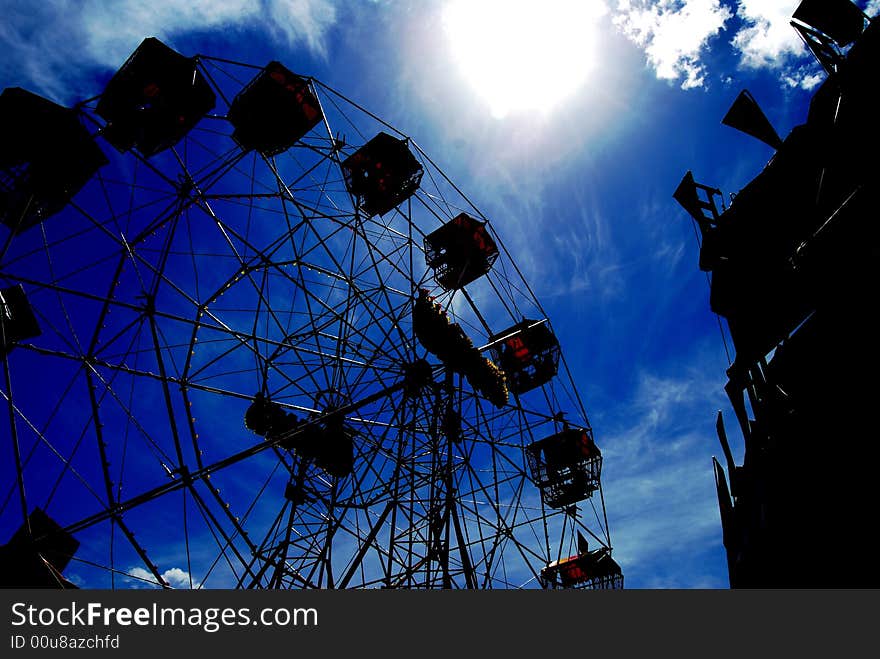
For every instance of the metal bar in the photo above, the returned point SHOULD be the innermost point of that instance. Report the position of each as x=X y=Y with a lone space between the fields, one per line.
x=19 y=472
x=204 y=506
x=141 y=551
x=365 y=546
x=163 y=376
x=205 y=472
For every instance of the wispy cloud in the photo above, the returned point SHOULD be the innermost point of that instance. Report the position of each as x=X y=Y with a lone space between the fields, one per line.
x=300 y=21
x=659 y=483
x=673 y=34
x=593 y=263
x=48 y=45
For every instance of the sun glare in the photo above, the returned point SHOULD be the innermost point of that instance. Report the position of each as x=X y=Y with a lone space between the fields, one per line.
x=523 y=55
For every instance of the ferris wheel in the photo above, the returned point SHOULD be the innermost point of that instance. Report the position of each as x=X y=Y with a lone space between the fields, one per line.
x=253 y=337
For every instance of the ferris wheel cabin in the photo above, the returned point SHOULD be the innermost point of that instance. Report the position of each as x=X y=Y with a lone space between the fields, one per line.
x=47 y=157
x=382 y=174
x=459 y=252
x=267 y=418
x=154 y=99
x=274 y=111
x=528 y=353
x=566 y=466
x=37 y=554
x=453 y=346
x=17 y=320
x=327 y=442
x=587 y=570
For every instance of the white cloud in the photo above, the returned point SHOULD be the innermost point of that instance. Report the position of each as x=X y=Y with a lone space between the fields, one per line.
x=674 y=34
x=767 y=39
x=47 y=44
x=804 y=77
x=174 y=577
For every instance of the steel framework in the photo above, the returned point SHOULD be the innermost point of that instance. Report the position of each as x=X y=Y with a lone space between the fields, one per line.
x=176 y=287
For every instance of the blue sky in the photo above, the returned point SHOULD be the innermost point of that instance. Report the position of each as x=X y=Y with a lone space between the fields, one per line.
x=574 y=158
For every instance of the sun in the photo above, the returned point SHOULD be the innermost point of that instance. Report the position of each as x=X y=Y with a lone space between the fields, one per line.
x=520 y=55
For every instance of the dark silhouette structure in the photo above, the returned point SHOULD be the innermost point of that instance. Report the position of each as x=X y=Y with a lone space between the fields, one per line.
x=588 y=569
x=17 y=320
x=47 y=157
x=382 y=174
x=566 y=466
x=396 y=438
x=460 y=252
x=37 y=554
x=528 y=353
x=794 y=273
x=274 y=111
x=155 y=99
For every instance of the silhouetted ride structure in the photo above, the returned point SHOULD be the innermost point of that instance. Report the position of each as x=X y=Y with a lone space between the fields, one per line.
x=794 y=267
x=251 y=338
